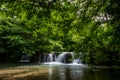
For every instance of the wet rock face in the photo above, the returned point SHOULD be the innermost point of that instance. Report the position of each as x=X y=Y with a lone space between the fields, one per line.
x=68 y=58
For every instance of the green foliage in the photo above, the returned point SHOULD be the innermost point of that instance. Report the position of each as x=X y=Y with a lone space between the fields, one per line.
x=37 y=26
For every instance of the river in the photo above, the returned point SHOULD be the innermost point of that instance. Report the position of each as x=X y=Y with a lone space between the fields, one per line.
x=79 y=72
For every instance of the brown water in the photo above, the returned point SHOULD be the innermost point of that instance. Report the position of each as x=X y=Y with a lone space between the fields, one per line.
x=77 y=72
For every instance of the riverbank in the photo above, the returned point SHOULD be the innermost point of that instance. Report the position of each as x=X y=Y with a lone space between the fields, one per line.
x=21 y=71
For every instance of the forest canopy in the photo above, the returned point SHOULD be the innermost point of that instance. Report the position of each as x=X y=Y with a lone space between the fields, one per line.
x=37 y=26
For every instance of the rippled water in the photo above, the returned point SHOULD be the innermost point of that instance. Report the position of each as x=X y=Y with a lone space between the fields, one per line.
x=78 y=72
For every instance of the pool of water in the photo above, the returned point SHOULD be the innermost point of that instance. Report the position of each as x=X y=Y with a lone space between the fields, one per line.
x=78 y=72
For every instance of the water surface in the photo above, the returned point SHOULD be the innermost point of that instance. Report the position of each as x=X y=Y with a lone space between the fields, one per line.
x=79 y=72
x=59 y=71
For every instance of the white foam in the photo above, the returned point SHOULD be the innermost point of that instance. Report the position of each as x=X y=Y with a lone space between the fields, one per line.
x=54 y=63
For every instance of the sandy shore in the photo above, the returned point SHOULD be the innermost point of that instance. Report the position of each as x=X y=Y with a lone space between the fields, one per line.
x=21 y=73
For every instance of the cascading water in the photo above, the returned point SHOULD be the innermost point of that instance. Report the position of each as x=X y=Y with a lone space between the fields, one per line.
x=25 y=58
x=51 y=58
x=76 y=61
x=45 y=58
x=64 y=57
x=61 y=57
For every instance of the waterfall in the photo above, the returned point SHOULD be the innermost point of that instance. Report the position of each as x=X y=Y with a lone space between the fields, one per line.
x=25 y=58
x=61 y=57
x=45 y=58
x=76 y=61
x=50 y=58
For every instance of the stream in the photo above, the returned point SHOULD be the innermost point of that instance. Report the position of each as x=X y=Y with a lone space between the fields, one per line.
x=79 y=72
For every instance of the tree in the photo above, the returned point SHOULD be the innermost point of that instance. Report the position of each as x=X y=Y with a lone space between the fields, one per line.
x=37 y=26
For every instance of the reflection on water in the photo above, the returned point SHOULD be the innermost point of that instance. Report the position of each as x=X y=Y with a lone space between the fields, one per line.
x=69 y=72
x=77 y=72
